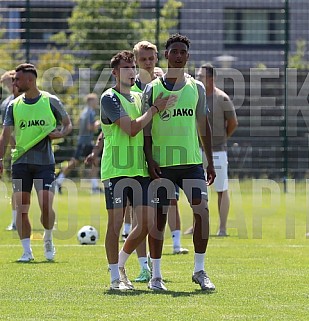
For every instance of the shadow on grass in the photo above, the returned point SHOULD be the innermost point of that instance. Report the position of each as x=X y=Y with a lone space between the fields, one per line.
x=172 y=254
x=174 y=294
x=223 y=237
x=36 y=262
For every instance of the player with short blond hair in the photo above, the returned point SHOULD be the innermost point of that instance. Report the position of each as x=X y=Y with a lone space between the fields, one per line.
x=146 y=57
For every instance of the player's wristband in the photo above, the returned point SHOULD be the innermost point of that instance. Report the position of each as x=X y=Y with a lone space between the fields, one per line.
x=156 y=108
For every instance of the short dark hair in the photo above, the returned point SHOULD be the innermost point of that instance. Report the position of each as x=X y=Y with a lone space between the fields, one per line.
x=27 y=68
x=210 y=70
x=177 y=38
x=125 y=55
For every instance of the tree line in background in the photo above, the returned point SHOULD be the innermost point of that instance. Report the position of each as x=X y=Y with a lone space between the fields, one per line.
x=97 y=29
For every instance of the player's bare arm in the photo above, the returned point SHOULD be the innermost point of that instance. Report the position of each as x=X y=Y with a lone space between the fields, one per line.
x=133 y=127
x=97 y=149
x=205 y=136
x=4 y=142
x=65 y=130
x=153 y=167
x=231 y=125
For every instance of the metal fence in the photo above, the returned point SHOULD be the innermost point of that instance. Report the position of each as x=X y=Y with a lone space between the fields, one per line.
x=260 y=48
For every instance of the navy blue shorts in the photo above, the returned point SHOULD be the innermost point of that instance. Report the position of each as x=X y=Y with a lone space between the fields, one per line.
x=24 y=176
x=191 y=179
x=82 y=151
x=120 y=190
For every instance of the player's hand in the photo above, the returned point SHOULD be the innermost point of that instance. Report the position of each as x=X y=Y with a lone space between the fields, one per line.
x=166 y=102
x=90 y=159
x=97 y=124
x=154 y=169
x=211 y=175
x=55 y=134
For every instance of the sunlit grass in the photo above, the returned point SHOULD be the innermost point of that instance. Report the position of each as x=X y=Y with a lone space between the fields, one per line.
x=261 y=270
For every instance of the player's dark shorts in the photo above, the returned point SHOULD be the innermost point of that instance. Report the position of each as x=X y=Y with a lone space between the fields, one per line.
x=120 y=190
x=24 y=176
x=190 y=178
x=82 y=150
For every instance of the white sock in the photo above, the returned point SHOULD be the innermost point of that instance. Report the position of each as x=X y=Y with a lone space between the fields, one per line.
x=156 y=268
x=176 y=239
x=26 y=245
x=143 y=262
x=123 y=257
x=48 y=235
x=199 y=260
x=126 y=228
x=114 y=271
x=94 y=183
x=14 y=212
x=60 y=178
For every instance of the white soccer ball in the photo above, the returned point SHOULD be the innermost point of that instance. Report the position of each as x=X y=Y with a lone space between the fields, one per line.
x=87 y=235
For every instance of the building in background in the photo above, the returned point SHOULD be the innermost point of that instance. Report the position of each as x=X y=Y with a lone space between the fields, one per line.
x=240 y=33
x=272 y=138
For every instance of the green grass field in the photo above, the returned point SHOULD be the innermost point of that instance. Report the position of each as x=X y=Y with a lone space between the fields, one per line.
x=261 y=270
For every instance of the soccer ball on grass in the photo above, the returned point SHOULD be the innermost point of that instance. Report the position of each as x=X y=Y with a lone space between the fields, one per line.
x=87 y=235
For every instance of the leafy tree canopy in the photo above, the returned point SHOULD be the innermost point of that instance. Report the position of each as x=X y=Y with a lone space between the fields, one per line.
x=100 y=28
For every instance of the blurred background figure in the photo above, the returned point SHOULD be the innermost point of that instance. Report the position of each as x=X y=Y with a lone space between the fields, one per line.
x=88 y=125
x=6 y=81
x=223 y=122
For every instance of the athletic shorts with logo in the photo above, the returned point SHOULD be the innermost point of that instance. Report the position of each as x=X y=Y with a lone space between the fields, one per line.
x=121 y=190
x=190 y=178
x=24 y=176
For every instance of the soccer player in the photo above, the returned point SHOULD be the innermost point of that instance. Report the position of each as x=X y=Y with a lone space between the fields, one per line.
x=173 y=156
x=123 y=166
x=146 y=57
x=87 y=127
x=34 y=116
x=223 y=122
x=7 y=80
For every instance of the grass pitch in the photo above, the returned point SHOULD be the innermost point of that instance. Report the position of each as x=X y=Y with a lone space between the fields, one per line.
x=261 y=270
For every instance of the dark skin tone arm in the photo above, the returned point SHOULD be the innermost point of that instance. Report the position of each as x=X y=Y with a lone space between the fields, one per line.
x=153 y=166
x=91 y=158
x=205 y=136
